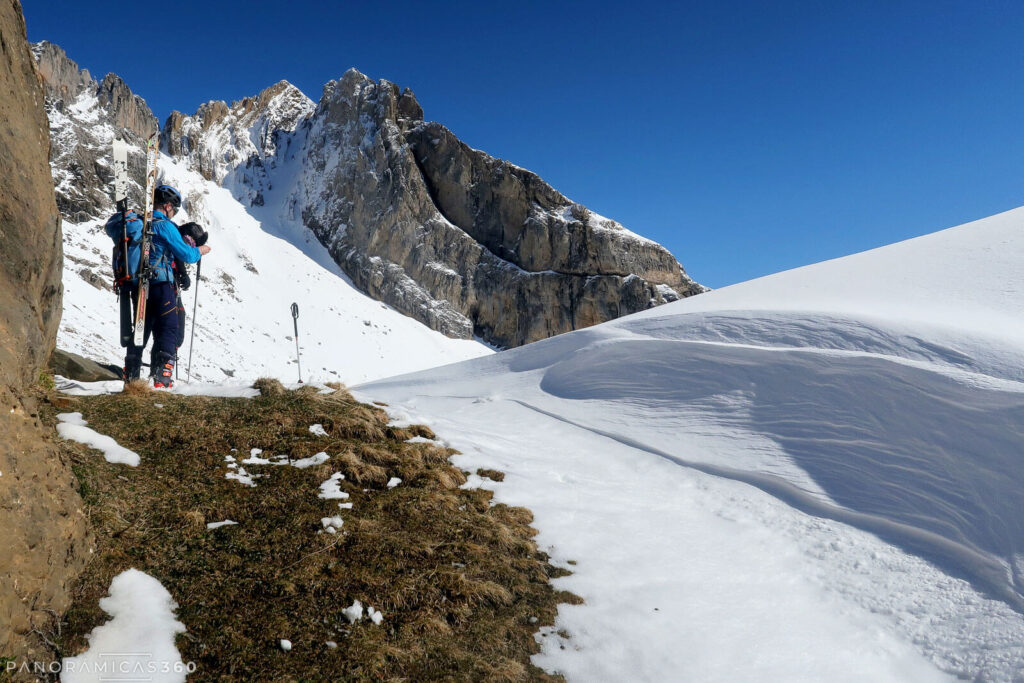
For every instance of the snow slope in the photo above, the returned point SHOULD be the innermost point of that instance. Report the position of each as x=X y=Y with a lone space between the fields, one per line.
x=817 y=475
x=244 y=328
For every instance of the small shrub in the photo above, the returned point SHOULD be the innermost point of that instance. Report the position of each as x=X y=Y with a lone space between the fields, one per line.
x=47 y=383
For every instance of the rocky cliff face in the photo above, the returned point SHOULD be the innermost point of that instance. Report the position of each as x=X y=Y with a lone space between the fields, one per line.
x=218 y=139
x=466 y=243
x=463 y=242
x=43 y=527
x=84 y=118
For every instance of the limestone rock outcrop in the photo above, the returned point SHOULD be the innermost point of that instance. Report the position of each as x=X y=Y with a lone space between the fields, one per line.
x=469 y=244
x=40 y=512
x=84 y=118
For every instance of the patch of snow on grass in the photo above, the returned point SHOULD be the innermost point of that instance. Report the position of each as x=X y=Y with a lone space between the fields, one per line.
x=302 y=463
x=423 y=439
x=74 y=388
x=311 y=461
x=331 y=489
x=318 y=429
x=138 y=641
x=474 y=481
x=217 y=525
x=244 y=477
x=73 y=428
x=332 y=524
x=354 y=612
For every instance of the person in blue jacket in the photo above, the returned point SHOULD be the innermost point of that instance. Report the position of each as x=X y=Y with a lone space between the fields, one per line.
x=162 y=304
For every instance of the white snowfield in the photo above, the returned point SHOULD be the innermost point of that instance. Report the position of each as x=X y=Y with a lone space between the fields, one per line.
x=244 y=329
x=817 y=475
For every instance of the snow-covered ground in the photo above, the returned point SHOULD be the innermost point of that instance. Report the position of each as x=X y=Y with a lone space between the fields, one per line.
x=817 y=475
x=244 y=327
x=137 y=644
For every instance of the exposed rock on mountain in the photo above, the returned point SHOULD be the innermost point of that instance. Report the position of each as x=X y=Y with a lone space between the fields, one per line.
x=218 y=139
x=84 y=117
x=128 y=111
x=79 y=368
x=464 y=242
x=43 y=527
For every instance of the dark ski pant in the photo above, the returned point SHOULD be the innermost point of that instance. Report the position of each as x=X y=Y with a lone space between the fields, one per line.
x=162 y=320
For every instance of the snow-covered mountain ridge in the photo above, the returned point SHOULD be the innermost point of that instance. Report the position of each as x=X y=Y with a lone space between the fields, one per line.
x=792 y=478
x=243 y=327
x=218 y=139
x=463 y=242
x=469 y=245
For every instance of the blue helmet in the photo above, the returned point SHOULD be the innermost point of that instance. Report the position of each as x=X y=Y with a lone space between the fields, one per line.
x=165 y=194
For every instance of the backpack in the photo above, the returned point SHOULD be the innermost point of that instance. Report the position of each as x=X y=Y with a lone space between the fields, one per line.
x=126 y=232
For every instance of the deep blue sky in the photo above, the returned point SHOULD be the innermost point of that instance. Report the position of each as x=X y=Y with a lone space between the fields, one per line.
x=747 y=137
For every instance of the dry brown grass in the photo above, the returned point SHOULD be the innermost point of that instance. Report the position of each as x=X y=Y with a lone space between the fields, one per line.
x=138 y=387
x=461 y=585
x=269 y=387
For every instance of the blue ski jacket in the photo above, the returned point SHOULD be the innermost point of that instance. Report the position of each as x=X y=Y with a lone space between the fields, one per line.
x=167 y=244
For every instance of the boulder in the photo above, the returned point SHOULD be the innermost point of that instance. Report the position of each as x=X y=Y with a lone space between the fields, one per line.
x=79 y=368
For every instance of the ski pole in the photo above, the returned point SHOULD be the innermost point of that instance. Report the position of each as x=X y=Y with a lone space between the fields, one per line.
x=295 y=320
x=192 y=341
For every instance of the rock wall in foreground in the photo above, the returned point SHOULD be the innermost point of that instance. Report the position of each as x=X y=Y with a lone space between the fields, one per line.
x=44 y=530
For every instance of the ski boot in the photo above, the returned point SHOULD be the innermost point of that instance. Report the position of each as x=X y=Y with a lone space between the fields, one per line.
x=163 y=371
x=132 y=368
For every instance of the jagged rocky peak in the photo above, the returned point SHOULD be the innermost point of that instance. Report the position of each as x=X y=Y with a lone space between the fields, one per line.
x=464 y=242
x=127 y=110
x=219 y=138
x=387 y=101
x=67 y=85
x=61 y=76
x=84 y=118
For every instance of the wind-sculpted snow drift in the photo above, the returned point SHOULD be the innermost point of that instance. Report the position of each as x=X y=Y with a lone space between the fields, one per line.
x=895 y=408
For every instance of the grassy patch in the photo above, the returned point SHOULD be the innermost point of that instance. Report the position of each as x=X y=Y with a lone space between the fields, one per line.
x=461 y=585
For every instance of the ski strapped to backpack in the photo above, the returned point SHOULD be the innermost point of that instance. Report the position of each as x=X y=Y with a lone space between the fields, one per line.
x=121 y=274
x=145 y=269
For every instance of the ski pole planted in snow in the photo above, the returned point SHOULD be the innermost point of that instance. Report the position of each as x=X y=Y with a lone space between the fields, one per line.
x=192 y=342
x=295 y=320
